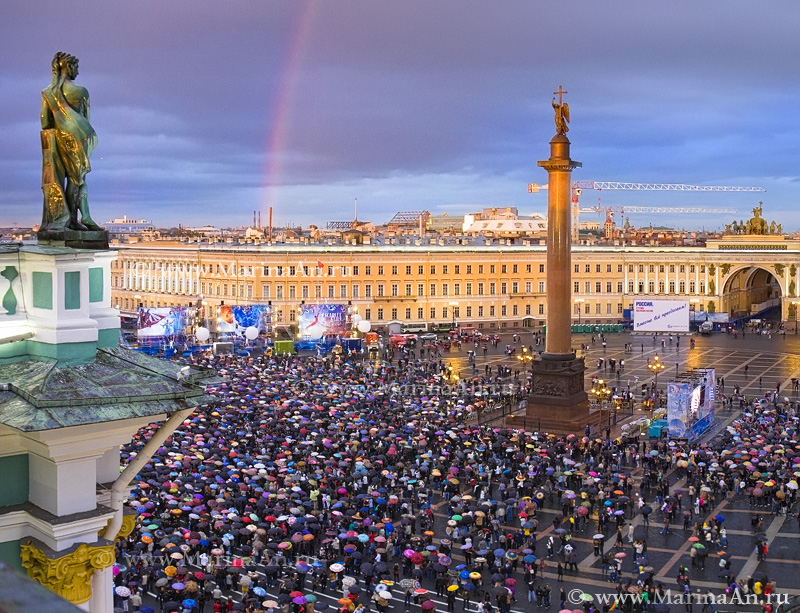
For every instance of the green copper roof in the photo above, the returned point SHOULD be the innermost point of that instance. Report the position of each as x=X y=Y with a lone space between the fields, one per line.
x=119 y=384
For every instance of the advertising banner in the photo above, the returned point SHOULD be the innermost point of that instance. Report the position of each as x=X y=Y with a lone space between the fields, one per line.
x=318 y=320
x=161 y=323
x=652 y=315
x=678 y=394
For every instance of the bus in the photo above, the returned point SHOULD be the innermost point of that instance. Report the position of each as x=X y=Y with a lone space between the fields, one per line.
x=413 y=328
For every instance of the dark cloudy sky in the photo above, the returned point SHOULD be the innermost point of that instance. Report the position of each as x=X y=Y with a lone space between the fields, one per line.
x=207 y=111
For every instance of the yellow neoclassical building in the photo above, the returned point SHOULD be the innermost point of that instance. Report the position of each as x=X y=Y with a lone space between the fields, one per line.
x=493 y=284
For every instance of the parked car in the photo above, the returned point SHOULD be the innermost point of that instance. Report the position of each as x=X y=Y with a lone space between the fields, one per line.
x=428 y=337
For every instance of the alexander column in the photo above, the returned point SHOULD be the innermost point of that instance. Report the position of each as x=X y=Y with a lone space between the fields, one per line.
x=558 y=402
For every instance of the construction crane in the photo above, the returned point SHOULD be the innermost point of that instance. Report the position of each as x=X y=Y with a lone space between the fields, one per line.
x=579 y=186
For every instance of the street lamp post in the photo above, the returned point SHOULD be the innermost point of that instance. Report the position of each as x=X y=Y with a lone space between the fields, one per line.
x=579 y=302
x=602 y=393
x=655 y=367
x=795 y=304
x=453 y=307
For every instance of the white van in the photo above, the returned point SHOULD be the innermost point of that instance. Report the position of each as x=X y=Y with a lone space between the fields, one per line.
x=410 y=328
x=706 y=327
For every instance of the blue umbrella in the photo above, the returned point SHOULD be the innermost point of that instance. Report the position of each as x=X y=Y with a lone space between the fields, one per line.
x=189 y=603
x=499 y=552
x=529 y=559
x=259 y=591
x=464 y=574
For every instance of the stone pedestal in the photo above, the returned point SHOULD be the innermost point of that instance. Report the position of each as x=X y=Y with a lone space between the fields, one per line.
x=558 y=403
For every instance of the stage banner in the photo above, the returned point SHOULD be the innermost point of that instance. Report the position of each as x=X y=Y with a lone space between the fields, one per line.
x=701 y=404
x=162 y=323
x=236 y=318
x=318 y=320
x=677 y=409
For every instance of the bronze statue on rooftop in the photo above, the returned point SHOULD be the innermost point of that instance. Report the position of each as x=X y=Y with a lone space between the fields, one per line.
x=68 y=140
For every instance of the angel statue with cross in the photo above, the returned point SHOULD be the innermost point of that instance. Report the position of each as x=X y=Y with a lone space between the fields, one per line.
x=562 y=112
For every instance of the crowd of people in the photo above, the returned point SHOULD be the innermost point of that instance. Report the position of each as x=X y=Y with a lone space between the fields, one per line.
x=313 y=476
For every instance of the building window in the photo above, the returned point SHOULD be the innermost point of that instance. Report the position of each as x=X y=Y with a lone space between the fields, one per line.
x=672 y=287
x=608 y=287
x=514 y=309
x=480 y=311
x=457 y=268
x=420 y=270
x=330 y=291
x=630 y=286
x=651 y=287
x=368 y=291
x=541 y=287
x=433 y=269
x=380 y=314
x=408 y=270
x=514 y=287
x=380 y=270
x=380 y=290
x=619 y=307
x=433 y=313
x=408 y=289
x=682 y=286
x=304 y=291
x=691 y=287
x=661 y=287
x=394 y=270
x=367 y=313
x=355 y=290
x=444 y=269
x=456 y=289
x=598 y=287
x=541 y=268
x=502 y=310
x=576 y=287
x=469 y=269
x=541 y=309
x=394 y=313
x=480 y=288
x=420 y=289
x=577 y=268
x=587 y=287
x=480 y=269
x=469 y=289
x=702 y=287
x=641 y=287
x=444 y=289
x=433 y=290
x=661 y=268
x=469 y=311
x=420 y=313
x=691 y=268
x=368 y=270
x=527 y=309
x=630 y=267
x=395 y=289
x=408 y=313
